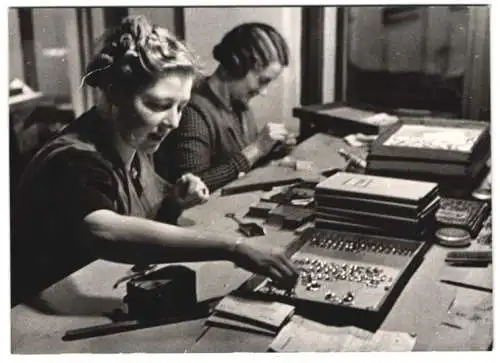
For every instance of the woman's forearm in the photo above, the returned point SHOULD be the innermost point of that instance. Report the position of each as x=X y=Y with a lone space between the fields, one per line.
x=137 y=240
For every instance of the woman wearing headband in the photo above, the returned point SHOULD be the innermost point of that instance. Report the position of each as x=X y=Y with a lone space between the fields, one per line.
x=217 y=138
x=92 y=192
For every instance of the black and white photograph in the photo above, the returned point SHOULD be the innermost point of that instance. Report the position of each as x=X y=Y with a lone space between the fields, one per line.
x=249 y=178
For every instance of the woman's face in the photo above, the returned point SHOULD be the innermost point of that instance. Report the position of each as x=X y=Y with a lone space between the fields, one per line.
x=256 y=82
x=151 y=114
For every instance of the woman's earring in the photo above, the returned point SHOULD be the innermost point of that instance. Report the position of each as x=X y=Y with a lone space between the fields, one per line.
x=132 y=138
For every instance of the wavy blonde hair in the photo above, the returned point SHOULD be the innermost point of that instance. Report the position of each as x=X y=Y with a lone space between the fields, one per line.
x=135 y=53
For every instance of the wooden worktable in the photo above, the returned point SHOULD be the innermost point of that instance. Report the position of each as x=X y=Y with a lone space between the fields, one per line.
x=81 y=299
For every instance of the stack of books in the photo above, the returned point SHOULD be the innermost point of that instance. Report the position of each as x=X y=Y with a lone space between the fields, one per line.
x=376 y=205
x=446 y=151
x=249 y=314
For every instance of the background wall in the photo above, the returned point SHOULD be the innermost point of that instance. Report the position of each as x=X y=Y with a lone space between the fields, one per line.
x=15 y=57
x=431 y=39
x=160 y=16
x=205 y=28
x=421 y=57
x=51 y=52
x=477 y=78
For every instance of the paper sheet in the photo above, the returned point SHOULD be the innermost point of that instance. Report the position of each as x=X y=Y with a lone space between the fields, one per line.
x=302 y=335
x=271 y=313
x=470 y=307
x=381 y=119
x=230 y=323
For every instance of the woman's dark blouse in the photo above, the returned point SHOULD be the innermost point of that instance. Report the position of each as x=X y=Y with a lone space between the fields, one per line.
x=75 y=174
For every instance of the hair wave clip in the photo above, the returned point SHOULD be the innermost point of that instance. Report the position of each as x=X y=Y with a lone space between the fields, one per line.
x=91 y=73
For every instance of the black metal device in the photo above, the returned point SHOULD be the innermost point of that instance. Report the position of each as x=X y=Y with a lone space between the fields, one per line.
x=163 y=296
x=168 y=291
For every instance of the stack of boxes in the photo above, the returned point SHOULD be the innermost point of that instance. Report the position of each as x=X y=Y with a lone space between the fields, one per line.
x=376 y=205
x=453 y=153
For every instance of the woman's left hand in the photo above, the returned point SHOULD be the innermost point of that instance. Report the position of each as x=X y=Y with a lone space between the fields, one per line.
x=290 y=140
x=190 y=190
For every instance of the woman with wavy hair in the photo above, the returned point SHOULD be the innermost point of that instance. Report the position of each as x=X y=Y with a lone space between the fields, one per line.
x=92 y=192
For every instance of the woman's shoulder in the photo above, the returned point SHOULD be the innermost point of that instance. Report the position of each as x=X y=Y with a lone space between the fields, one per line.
x=66 y=151
x=69 y=165
x=80 y=142
x=64 y=168
x=201 y=96
x=79 y=158
x=201 y=111
x=69 y=154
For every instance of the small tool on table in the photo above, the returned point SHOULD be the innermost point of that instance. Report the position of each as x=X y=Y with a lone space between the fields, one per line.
x=469 y=258
x=356 y=160
x=249 y=229
x=330 y=171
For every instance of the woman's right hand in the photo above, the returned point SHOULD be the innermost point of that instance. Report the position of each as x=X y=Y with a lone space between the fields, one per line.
x=190 y=190
x=267 y=263
x=270 y=134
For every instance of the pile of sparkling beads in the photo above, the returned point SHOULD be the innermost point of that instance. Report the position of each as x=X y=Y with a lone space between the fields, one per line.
x=357 y=244
x=270 y=289
x=312 y=271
